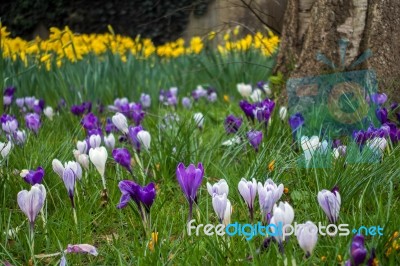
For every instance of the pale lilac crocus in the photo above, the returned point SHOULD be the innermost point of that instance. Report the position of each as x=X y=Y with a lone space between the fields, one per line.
x=330 y=202
x=268 y=195
x=219 y=203
x=190 y=180
x=248 y=191
x=307 y=236
x=283 y=214
x=219 y=188
x=19 y=137
x=32 y=121
x=109 y=141
x=8 y=123
x=145 y=100
x=31 y=202
x=69 y=173
x=82 y=146
x=95 y=141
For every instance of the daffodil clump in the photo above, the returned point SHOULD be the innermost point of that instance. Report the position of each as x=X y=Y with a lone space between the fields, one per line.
x=63 y=44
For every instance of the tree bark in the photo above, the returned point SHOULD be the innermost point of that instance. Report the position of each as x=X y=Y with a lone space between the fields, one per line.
x=312 y=26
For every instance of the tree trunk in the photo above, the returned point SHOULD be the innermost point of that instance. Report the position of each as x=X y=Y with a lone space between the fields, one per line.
x=312 y=26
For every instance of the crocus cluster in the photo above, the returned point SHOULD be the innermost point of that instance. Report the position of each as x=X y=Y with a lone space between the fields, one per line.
x=261 y=110
x=30 y=104
x=169 y=97
x=209 y=93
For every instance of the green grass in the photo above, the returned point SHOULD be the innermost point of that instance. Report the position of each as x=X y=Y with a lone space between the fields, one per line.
x=370 y=192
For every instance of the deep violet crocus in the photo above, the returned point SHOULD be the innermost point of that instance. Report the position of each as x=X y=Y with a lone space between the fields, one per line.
x=358 y=252
x=248 y=109
x=122 y=157
x=137 y=112
x=382 y=115
x=132 y=134
x=190 y=179
x=232 y=124
x=295 y=122
x=90 y=121
x=8 y=96
x=33 y=176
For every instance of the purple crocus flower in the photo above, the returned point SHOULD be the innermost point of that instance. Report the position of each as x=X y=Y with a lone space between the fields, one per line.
x=296 y=121
x=31 y=202
x=78 y=110
x=90 y=121
x=145 y=100
x=81 y=248
x=255 y=138
x=32 y=121
x=95 y=131
x=137 y=113
x=33 y=176
x=382 y=115
x=358 y=251
x=123 y=157
x=248 y=109
x=263 y=110
x=336 y=143
x=20 y=102
x=132 y=134
x=232 y=124
x=359 y=137
x=38 y=106
x=379 y=99
x=190 y=179
x=110 y=127
x=142 y=196
x=186 y=102
x=29 y=102
x=330 y=202
x=8 y=96
x=8 y=123
x=211 y=95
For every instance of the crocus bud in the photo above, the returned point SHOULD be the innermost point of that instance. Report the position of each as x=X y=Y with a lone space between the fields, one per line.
x=144 y=137
x=248 y=191
x=219 y=204
x=82 y=159
x=32 y=121
x=31 y=202
x=219 y=188
x=244 y=89
x=283 y=112
x=330 y=203
x=95 y=141
x=199 y=120
x=120 y=122
x=309 y=146
x=82 y=146
x=358 y=251
x=98 y=156
x=58 y=167
x=228 y=213
x=5 y=148
x=255 y=138
x=307 y=236
x=145 y=100
x=282 y=214
x=123 y=157
x=33 y=176
x=48 y=112
x=268 y=195
x=256 y=96
x=19 y=137
x=109 y=141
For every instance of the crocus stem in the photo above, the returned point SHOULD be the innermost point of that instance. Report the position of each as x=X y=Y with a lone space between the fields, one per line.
x=139 y=162
x=190 y=211
x=42 y=256
x=32 y=238
x=281 y=248
x=75 y=217
x=103 y=179
x=251 y=215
